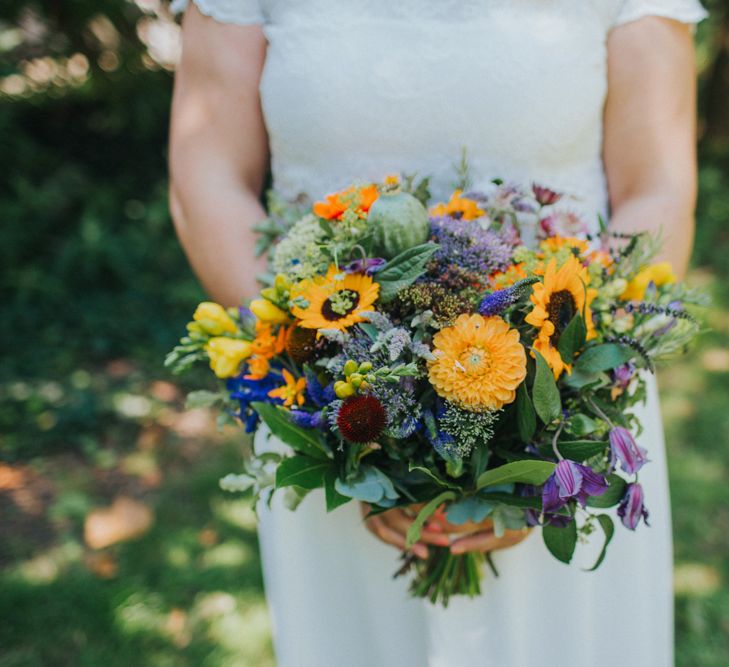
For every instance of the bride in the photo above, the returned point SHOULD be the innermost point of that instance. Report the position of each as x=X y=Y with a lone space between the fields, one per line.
x=593 y=97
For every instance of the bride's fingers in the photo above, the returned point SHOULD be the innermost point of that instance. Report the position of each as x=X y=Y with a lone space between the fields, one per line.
x=401 y=522
x=486 y=540
x=391 y=536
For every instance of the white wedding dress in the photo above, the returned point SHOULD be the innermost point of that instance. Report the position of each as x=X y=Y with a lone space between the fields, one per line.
x=356 y=89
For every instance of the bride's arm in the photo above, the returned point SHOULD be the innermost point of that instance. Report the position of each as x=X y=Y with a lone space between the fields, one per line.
x=218 y=153
x=650 y=133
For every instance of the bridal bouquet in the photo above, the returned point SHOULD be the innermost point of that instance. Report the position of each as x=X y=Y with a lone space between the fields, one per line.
x=473 y=361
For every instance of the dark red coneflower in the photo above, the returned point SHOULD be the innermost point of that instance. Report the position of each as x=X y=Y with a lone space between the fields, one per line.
x=361 y=419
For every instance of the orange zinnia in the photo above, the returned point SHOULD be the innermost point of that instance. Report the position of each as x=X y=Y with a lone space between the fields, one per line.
x=337 y=204
x=479 y=363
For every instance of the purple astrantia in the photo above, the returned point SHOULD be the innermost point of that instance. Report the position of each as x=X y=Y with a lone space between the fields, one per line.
x=624 y=449
x=368 y=266
x=631 y=508
x=571 y=481
x=467 y=245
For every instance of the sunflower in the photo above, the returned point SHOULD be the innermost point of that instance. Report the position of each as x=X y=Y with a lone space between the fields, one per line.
x=479 y=362
x=554 y=244
x=458 y=207
x=334 y=301
x=562 y=295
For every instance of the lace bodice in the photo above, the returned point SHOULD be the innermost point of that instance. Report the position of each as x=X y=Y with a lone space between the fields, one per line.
x=356 y=89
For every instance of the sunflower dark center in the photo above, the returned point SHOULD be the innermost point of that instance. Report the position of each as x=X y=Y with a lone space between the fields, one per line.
x=340 y=304
x=561 y=310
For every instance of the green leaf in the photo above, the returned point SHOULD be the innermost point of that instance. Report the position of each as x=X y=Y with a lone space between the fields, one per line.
x=433 y=477
x=608 y=527
x=561 y=542
x=515 y=501
x=333 y=498
x=572 y=339
x=603 y=358
x=301 y=471
x=470 y=508
x=613 y=495
x=581 y=450
x=526 y=418
x=545 y=394
x=370 y=486
x=403 y=270
x=527 y=472
x=581 y=425
x=203 y=399
x=413 y=534
x=305 y=441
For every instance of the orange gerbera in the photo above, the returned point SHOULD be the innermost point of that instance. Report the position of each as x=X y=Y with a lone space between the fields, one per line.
x=291 y=392
x=335 y=205
x=562 y=295
x=335 y=301
x=479 y=363
x=458 y=207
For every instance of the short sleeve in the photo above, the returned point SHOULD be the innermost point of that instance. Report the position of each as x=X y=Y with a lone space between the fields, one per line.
x=240 y=12
x=686 y=11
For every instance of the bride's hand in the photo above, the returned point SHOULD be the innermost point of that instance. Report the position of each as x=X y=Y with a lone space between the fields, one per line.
x=486 y=540
x=392 y=526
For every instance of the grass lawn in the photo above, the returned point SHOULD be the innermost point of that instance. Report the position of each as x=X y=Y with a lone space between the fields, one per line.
x=188 y=591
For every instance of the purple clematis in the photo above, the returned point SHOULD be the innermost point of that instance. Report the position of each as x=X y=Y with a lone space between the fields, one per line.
x=625 y=449
x=368 y=266
x=571 y=481
x=631 y=508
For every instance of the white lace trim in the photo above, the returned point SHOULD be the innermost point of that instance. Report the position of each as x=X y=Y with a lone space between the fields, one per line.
x=686 y=11
x=239 y=12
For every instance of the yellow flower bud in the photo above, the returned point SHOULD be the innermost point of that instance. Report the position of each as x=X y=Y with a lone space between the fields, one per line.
x=281 y=283
x=365 y=367
x=350 y=367
x=356 y=380
x=659 y=274
x=265 y=311
x=227 y=354
x=343 y=389
x=212 y=319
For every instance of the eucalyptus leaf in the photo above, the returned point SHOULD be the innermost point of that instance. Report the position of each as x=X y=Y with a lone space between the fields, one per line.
x=547 y=402
x=527 y=472
x=370 y=486
x=561 y=542
x=303 y=471
x=526 y=418
x=507 y=518
x=416 y=528
x=404 y=269
x=608 y=528
x=305 y=441
x=470 y=508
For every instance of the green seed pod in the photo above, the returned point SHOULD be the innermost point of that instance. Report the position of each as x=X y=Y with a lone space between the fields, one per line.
x=399 y=221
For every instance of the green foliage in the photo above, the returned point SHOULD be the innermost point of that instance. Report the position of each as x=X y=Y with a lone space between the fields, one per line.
x=561 y=542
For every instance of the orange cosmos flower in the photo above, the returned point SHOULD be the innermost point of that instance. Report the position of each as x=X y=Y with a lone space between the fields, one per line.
x=336 y=205
x=292 y=392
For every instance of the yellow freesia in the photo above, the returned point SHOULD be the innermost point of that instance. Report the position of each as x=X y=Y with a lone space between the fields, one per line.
x=265 y=311
x=213 y=319
x=659 y=274
x=227 y=354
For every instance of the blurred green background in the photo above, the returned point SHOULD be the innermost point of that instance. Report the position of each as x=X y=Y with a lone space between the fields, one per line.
x=115 y=540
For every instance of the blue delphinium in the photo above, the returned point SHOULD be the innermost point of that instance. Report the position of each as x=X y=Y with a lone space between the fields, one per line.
x=247 y=391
